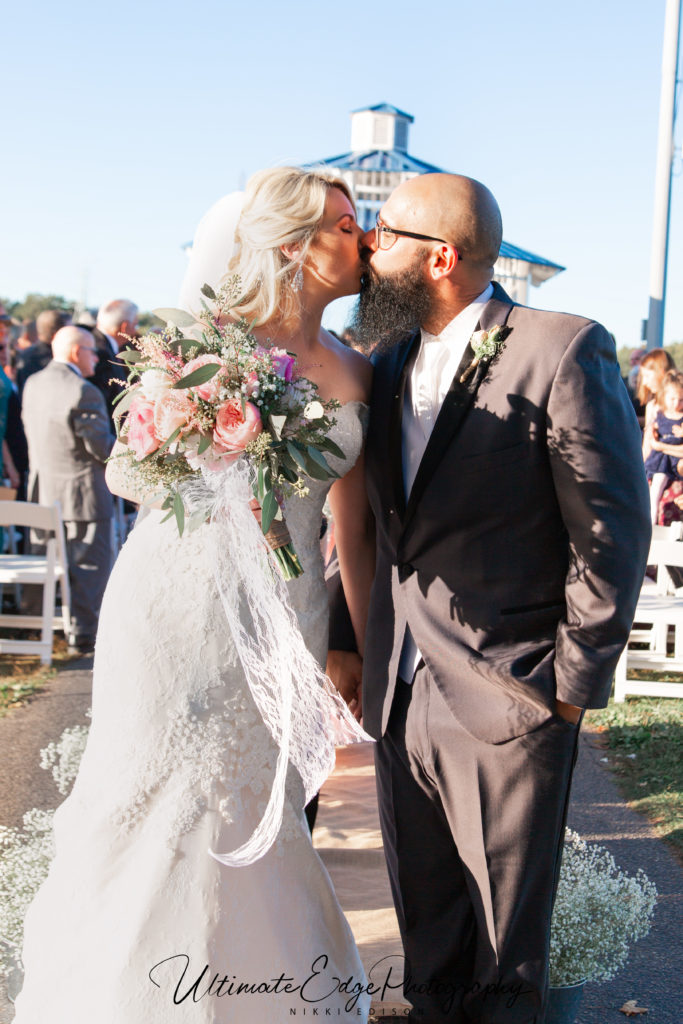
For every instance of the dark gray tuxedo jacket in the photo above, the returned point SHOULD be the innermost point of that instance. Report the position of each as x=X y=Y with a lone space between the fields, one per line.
x=110 y=373
x=518 y=557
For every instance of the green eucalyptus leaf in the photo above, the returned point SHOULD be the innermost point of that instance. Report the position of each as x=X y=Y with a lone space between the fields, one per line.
x=269 y=510
x=198 y=376
x=131 y=355
x=177 y=317
x=297 y=455
x=332 y=448
x=321 y=460
x=179 y=512
x=186 y=345
x=207 y=290
x=204 y=443
x=315 y=471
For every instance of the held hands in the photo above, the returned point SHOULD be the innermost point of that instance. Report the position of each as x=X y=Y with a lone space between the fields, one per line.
x=345 y=669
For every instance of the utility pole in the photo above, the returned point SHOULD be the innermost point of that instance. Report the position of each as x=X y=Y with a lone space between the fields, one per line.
x=665 y=156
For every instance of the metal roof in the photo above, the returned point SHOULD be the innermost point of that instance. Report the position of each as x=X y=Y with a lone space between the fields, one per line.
x=514 y=252
x=385 y=108
x=378 y=160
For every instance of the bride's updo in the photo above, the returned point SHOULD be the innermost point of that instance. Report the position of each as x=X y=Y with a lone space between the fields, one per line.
x=282 y=206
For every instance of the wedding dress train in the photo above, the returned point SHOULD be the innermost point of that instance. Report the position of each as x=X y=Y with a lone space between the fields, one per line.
x=137 y=922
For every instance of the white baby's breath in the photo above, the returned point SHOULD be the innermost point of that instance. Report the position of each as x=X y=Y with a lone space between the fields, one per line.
x=26 y=853
x=599 y=912
x=64 y=756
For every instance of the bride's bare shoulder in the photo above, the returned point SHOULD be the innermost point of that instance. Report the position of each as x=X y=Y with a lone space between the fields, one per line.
x=354 y=380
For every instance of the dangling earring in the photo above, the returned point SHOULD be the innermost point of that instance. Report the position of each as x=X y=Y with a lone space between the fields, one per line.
x=298 y=279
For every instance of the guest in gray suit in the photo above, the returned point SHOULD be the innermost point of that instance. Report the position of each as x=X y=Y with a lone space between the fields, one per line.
x=69 y=438
x=512 y=534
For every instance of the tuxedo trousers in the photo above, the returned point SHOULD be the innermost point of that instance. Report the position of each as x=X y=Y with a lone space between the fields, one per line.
x=473 y=836
x=88 y=553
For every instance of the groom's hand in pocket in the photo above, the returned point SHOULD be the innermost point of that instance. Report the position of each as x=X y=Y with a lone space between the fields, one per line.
x=345 y=669
x=570 y=712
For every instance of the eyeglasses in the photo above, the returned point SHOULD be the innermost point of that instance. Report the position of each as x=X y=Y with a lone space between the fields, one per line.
x=87 y=348
x=385 y=237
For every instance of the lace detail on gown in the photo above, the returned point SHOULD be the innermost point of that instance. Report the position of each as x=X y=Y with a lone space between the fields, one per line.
x=178 y=762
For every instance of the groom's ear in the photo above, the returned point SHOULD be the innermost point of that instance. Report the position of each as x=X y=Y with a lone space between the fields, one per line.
x=443 y=261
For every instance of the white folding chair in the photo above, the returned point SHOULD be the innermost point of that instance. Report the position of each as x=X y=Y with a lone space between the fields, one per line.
x=49 y=570
x=659 y=611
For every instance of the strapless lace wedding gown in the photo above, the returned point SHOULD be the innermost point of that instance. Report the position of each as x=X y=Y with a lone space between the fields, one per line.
x=178 y=762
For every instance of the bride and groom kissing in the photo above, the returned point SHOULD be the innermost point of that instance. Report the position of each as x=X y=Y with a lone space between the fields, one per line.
x=492 y=532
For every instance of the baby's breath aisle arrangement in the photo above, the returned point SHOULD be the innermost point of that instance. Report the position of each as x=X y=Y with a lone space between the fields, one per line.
x=205 y=393
x=599 y=912
x=26 y=853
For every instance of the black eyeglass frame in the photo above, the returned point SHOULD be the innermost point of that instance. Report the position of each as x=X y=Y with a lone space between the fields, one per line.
x=381 y=228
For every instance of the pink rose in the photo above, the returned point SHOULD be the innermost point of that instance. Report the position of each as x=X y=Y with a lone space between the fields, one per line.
x=283 y=363
x=172 y=410
x=141 y=436
x=208 y=391
x=234 y=430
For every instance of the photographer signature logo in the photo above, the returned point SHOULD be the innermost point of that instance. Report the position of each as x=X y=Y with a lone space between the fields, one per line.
x=350 y=995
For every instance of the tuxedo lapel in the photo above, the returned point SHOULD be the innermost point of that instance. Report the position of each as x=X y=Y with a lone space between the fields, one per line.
x=459 y=398
x=406 y=354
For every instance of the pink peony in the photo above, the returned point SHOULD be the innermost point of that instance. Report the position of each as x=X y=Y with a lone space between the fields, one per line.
x=141 y=436
x=172 y=410
x=280 y=360
x=234 y=430
x=283 y=363
x=208 y=391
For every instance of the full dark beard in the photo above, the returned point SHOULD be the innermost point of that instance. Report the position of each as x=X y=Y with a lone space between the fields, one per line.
x=390 y=307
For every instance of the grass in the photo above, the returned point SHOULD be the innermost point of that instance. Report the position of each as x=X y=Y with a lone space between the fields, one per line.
x=643 y=739
x=22 y=676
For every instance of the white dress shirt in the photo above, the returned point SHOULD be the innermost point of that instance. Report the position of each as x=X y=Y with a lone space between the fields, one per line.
x=433 y=371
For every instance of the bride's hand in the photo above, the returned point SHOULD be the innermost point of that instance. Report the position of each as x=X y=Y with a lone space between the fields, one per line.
x=345 y=669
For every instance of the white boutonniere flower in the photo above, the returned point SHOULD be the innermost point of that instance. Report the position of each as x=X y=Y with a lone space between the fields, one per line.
x=486 y=345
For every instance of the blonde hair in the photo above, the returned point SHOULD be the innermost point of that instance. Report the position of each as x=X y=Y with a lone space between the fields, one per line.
x=283 y=206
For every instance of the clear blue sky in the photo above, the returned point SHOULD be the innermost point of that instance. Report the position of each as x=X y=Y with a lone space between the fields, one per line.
x=124 y=123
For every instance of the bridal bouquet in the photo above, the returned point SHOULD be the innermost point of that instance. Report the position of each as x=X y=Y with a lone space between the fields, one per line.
x=204 y=393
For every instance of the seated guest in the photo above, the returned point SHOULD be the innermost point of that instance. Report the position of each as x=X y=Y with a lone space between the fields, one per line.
x=653 y=368
x=69 y=439
x=664 y=461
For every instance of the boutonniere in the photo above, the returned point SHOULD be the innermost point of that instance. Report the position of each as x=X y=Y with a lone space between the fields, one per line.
x=486 y=345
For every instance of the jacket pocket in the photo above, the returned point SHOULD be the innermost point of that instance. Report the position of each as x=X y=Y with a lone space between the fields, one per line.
x=487 y=461
x=539 y=606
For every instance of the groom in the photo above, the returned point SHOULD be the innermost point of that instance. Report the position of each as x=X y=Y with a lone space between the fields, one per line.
x=512 y=515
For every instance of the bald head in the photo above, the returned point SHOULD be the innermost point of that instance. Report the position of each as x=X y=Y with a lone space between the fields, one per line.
x=66 y=341
x=450 y=206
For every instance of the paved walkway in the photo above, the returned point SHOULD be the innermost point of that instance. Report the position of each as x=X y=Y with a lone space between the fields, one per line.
x=347 y=837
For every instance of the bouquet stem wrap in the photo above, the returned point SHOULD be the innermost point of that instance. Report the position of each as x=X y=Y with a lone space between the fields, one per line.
x=299 y=705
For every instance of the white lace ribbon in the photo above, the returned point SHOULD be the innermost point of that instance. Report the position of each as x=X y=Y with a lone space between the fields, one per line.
x=301 y=708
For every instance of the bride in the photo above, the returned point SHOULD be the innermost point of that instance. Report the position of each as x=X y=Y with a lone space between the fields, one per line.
x=137 y=921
